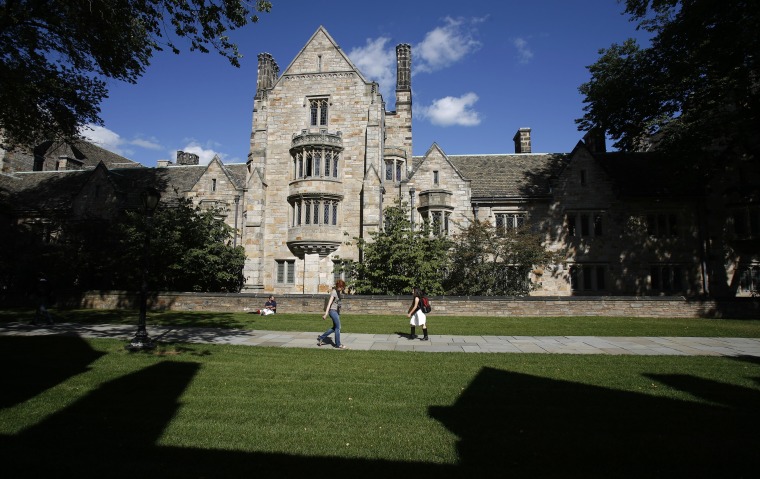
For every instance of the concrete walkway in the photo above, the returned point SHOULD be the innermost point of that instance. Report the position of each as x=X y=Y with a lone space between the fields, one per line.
x=649 y=346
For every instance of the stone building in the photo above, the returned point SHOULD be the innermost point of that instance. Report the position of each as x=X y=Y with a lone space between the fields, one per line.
x=326 y=158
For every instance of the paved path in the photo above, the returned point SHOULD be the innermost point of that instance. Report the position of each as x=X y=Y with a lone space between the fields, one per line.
x=649 y=346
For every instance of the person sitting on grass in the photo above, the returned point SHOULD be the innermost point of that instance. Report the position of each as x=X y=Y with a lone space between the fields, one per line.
x=270 y=307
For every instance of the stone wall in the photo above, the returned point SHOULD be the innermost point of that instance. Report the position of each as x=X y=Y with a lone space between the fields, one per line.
x=665 y=307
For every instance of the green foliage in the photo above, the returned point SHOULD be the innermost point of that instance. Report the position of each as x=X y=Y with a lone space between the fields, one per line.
x=57 y=57
x=400 y=257
x=695 y=88
x=485 y=262
x=189 y=249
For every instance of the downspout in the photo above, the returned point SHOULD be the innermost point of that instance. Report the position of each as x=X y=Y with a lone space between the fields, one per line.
x=703 y=248
x=237 y=204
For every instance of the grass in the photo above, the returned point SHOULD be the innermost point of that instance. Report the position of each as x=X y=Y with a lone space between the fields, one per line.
x=89 y=407
x=455 y=325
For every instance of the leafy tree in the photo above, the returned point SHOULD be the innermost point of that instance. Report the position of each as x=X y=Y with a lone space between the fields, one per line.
x=485 y=262
x=190 y=249
x=57 y=56
x=696 y=88
x=399 y=257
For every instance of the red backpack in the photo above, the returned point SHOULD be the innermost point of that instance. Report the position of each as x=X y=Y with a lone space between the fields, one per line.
x=425 y=305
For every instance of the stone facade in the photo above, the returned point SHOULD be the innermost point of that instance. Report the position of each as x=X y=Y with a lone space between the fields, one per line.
x=621 y=306
x=318 y=145
x=326 y=157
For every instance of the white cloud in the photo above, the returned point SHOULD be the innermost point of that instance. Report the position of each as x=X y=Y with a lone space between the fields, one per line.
x=103 y=137
x=451 y=111
x=446 y=45
x=112 y=141
x=524 y=53
x=150 y=144
x=441 y=47
x=377 y=63
x=205 y=154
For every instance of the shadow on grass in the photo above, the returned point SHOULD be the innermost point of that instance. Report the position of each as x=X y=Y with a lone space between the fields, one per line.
x=32 y=365
x=533 y=426
x=508 y=424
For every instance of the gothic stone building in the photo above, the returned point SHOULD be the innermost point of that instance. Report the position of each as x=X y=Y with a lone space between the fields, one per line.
x=326 y=158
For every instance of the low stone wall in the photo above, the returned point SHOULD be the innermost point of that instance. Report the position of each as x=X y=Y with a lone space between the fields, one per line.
x=666 y=307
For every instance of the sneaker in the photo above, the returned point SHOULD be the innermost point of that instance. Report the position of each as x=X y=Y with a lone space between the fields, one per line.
x=320 y=342
x=424 y=338
x=341 y=347
x=412 y=336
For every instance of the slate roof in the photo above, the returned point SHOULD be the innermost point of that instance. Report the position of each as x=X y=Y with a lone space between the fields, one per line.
x=502 y=176
x=238 y=172
x=88 y=154
x=47 y=192
x=639 y=174
x=50 y=191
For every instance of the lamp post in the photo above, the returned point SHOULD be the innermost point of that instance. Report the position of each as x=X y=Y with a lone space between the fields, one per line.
x=150 y=198
x=234 y=238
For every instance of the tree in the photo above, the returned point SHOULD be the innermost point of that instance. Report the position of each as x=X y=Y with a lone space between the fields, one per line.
x=400 y=257
x=58 y=55
x=190 y=249
x=487 y=262
x=696 y=88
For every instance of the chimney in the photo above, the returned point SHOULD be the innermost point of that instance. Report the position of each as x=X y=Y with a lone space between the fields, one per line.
x=62 y=163
x=595 y=141
x=522 y=140
x=403 y=67
x=267 y=73
x=186 y=158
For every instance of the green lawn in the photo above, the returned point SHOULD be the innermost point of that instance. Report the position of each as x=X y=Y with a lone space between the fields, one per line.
x=90 y=408
x=458 y=325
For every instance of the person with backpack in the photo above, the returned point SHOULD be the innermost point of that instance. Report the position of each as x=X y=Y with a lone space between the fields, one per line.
x=416 y=313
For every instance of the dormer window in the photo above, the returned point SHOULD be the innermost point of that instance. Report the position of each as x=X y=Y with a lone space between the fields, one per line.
x=436 y=178
x=213 y=184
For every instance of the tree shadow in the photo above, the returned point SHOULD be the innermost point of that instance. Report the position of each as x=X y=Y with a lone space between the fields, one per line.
x=508 y=424
x=42 y=367
x=532 y=426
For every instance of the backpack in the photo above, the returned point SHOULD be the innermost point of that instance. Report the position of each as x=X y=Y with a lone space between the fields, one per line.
x=425 y=305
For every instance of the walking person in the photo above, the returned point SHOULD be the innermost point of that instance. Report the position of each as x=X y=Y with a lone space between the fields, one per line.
x=333 y=309
x=416 y=316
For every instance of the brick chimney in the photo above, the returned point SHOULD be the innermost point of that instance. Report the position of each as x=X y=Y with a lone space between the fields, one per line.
x=186 y=158
x=595 y=141
x=522 y=140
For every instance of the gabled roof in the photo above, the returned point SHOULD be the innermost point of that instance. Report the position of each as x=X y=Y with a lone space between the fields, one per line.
x=86 y=153
x=47 y=192
x=507 y=175
x=235 y=175
x=321 y=31
x=238 y=173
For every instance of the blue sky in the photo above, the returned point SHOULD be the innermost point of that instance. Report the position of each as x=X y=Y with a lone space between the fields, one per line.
x=481 y=70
